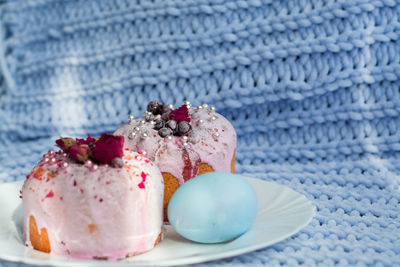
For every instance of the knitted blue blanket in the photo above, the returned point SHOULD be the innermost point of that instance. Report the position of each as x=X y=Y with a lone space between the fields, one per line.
x=312 y=88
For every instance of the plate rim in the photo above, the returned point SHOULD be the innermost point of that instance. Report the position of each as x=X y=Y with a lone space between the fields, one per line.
x=175 y=262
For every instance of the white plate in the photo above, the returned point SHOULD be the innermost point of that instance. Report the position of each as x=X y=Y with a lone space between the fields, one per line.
x=282 y=213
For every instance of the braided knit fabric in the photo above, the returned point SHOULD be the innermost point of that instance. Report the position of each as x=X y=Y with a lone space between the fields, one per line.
x=312 y=88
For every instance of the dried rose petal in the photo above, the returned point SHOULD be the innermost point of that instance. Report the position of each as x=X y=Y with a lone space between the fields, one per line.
x=108 y=147
x=180 y=114
x=86 y=141
x=79 y=153
x=65 y=143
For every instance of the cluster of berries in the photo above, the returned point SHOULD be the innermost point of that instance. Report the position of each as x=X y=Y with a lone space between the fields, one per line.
x=169 y=121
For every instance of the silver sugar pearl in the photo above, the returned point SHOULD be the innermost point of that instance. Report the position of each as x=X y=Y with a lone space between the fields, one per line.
x=132 y=135
x=51 y=152
x=144 y=135
x=64 y=155
x=216 y=135
x=117 y=162
x=199 y=107
x=185 y=138
x=88 y=163
x=143 y=122
x=169 y=137
x=137 y=129
x=94 y=167
x=131 y=118
x=46 y=159
x=200 y=122
x=152 y=122
x=212 y=108
x=186 y=103
x=64 y=165
x=185 y=144
x=205 y=106
x=213 y=118
x=172 y=106
x=53 y=160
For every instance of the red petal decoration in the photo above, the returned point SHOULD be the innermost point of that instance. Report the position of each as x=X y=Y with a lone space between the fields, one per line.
x=107 y=148
x=65 y=143
x=180 y=114
x=86 y=141
x=50 y=194
x=79 y=153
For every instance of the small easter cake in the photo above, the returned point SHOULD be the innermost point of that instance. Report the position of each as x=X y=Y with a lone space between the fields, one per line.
x=93 y=199
x=183 y=142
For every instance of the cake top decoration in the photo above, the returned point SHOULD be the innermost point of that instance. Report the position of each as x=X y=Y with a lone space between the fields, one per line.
x=108 y=149
x=180 y=114
x=166 y=120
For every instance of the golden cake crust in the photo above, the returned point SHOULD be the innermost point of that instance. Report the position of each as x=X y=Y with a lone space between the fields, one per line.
x=40 y=240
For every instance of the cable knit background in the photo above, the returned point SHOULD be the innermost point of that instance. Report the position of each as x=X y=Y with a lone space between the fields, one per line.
x=311 y=86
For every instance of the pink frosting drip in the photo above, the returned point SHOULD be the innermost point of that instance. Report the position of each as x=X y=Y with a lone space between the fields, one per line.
x=107 y=212
x=203 y=145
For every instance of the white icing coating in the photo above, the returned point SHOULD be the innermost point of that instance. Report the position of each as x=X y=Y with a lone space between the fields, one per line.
x=203 y=145
x=109 y=212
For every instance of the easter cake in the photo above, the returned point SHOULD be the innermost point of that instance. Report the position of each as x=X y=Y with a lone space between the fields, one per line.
x=184 y=142
x=93 y=199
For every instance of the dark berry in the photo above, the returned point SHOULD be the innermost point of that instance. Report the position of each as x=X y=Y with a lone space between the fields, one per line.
x=167 y=108
x=165 y=116
x=164 y=132
x=158 y=124
x=171 y=124
x=184 y=128
x=149 y=117
x=155 y=107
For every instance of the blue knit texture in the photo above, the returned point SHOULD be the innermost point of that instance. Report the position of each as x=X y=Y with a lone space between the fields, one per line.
x=311 y=86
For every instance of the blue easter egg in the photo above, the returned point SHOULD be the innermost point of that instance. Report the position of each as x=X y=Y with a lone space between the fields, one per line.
x=213 y=207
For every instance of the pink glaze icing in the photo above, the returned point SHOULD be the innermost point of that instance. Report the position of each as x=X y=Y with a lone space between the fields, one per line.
x=92 y=212
x=203 y=145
